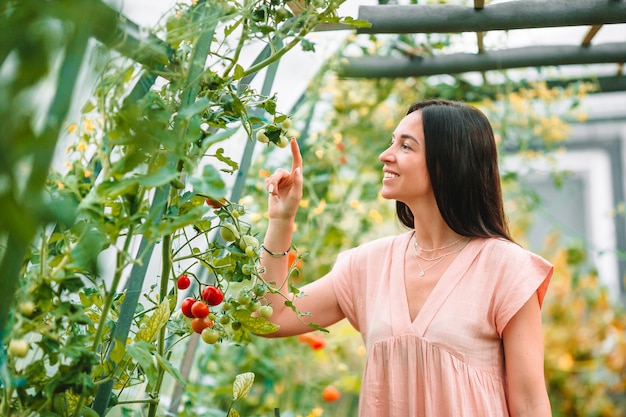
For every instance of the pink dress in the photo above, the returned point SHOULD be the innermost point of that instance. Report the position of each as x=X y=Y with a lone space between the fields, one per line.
x=449 y=361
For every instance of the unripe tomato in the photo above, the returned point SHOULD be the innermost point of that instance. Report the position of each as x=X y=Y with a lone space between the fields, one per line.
x=254 y=305
x=266 y=311
x=210 y=335
x=330 y=394
x=183 y=282
x=260 y=290
x=286 y=124
x=18 y=348
x=229 y=232
x=224 y=319
x=185 y=307
x=261 y=136
x=199 y=324
x=199 y=309
x=247 y=241
x=243 y=298
x=212 y=295
x=283 y=141
x=27 y=308
x=250 y=252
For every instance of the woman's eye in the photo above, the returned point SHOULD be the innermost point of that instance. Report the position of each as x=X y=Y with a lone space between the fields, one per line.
x=405 y=146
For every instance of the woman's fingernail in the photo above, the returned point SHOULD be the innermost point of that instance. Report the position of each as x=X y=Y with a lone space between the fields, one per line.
x=270 y=189
x=298 y=171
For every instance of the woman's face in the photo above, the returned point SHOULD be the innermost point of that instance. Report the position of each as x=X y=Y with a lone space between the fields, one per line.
x=405 y=175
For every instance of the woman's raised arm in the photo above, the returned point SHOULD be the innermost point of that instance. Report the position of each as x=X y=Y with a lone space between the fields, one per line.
x=318 y=299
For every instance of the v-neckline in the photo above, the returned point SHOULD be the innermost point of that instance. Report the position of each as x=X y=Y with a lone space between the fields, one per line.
x=442 y=289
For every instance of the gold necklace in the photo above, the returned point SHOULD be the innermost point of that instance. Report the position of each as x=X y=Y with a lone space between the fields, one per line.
x=438 y=259
x=417 y=246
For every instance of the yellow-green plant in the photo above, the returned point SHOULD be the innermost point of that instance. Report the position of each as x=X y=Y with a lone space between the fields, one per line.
x=87 y=322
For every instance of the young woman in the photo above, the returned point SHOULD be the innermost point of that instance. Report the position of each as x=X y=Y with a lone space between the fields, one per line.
x=449 y=311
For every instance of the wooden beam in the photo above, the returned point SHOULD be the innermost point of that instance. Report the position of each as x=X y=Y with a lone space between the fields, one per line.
x=532 y=56
x=479 y=4
x=590 y=34
x=518 y=14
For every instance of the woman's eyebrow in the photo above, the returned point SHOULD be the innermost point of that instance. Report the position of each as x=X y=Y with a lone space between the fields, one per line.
x=406 y=136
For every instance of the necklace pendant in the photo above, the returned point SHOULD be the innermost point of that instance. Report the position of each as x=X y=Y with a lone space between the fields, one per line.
x=422 y=273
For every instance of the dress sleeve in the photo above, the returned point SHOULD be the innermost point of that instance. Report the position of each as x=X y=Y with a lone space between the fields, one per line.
x=522 y=274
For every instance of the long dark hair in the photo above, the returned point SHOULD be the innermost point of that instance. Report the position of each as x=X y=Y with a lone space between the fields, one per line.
x=462 y=162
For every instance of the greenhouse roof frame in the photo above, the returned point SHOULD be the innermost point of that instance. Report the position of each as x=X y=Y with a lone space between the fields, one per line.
x=516 y=14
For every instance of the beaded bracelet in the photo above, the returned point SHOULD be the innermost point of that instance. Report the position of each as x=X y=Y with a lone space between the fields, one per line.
x=275 y=254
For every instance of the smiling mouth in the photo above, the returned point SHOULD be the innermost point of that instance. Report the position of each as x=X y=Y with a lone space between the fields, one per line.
x=390 y=175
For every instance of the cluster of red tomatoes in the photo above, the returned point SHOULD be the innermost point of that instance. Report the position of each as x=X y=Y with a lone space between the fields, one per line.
x=198 y=310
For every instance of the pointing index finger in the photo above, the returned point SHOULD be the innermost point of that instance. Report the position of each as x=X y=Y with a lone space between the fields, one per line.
x=296 y=156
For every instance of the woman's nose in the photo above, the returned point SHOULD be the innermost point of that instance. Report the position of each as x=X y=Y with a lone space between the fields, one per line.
x=385 y=155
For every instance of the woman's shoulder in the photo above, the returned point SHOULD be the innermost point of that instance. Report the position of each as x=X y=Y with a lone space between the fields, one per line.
x=508 y=250
x=379 y=246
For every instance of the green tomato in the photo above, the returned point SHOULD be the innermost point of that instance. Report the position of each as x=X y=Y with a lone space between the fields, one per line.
x=261 y=136
x=210 y=335
x=243 y=298
x=27 y=308
x=286 y=124
x=260 y=290
x=283 y=141
x=229 y=232
x=248 y=240
x=254 y=305
x=18 y=348
x=250 y=252
x=224 y=319
x=266 y=311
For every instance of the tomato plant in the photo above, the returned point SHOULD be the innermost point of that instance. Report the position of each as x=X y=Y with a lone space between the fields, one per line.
x=141 y=184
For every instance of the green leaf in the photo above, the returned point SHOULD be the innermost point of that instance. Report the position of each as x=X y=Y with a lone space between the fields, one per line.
x=112 y=189
x=307 y=45
x=169 y=368
x=257 y=325
x=155 y=323
x=118 y=352
x=241 y=386
x=210 y=183
x=239 y=72
x=141 y=352
x=219 y=154
x=219 y=137
x=195 y=108
x=160 y=177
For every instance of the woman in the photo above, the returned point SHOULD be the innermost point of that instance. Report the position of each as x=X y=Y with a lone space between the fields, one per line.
x=449 y=311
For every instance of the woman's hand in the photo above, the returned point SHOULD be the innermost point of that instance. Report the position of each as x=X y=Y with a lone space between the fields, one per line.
x=285 y=188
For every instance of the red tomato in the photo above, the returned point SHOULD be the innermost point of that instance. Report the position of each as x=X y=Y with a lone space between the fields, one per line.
x=183 y=282
x=292 y=260
x=215 y=203
x=199 y=309
x=316 y=341
x=199 y=324
x=185 y=306
x=212 y=295
x=330 y=394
